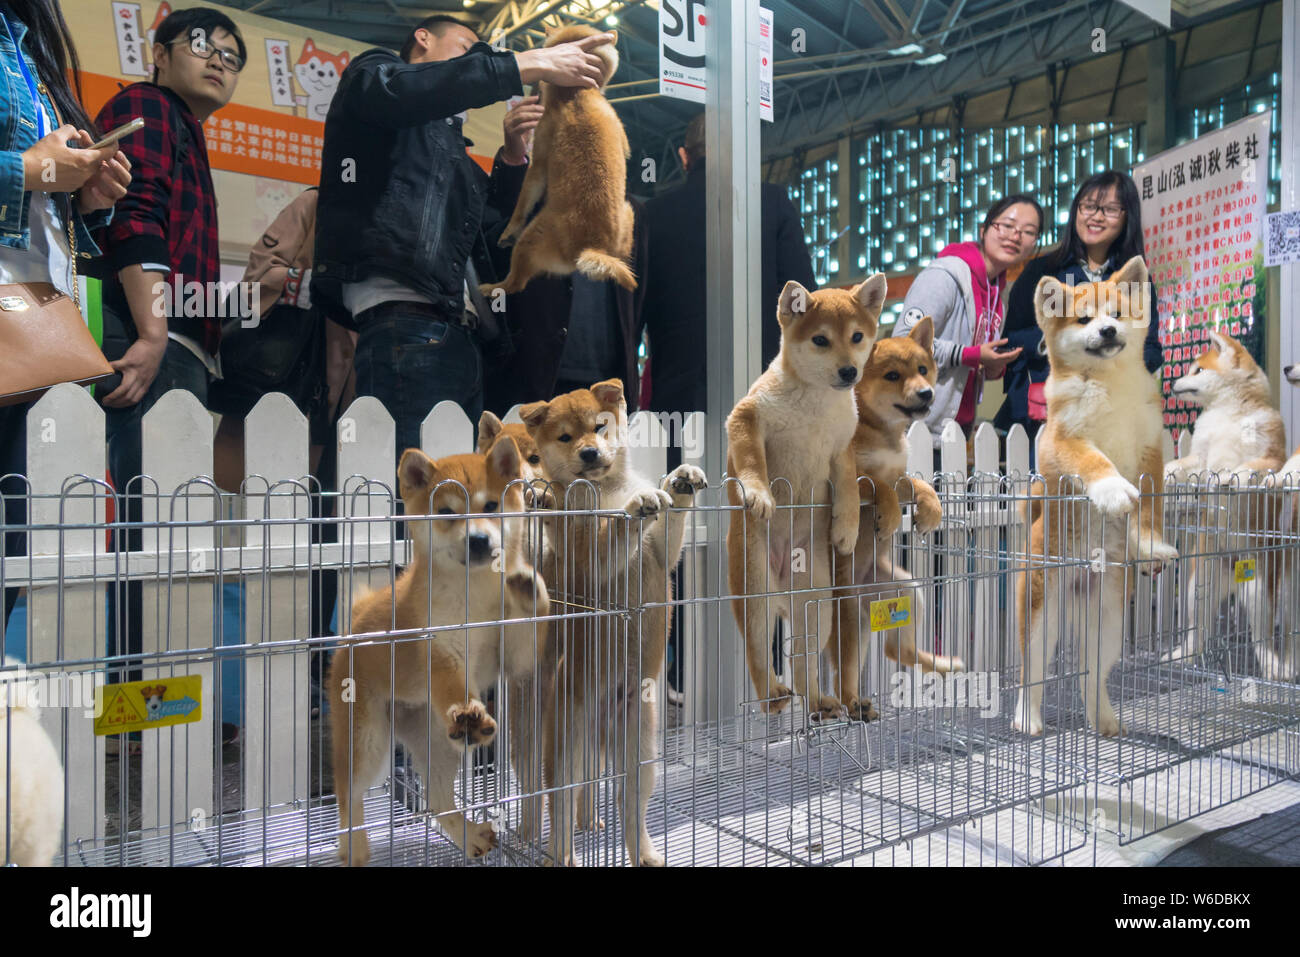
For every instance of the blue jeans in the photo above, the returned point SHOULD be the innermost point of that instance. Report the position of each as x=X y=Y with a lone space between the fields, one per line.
x=410 y=361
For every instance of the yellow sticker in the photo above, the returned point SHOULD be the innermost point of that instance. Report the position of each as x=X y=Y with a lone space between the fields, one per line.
x=1244 y=571
x=891 y=613
x=140 y=705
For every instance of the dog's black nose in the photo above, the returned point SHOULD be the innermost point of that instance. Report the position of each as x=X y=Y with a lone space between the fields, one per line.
x=1286 y=370
x=925 y=395
x=848 y=373
x=1108 y=332
x=480 y=546
x=589 y=454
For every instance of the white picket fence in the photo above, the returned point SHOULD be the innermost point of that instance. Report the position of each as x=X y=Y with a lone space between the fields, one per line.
x=69 y=563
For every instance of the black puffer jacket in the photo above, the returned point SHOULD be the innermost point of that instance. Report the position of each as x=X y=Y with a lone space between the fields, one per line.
x=399 y=196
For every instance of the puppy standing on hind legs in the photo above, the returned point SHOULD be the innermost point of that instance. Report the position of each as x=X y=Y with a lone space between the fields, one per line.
x=797 y=424
x=582 y=436
x=1238 y=435
x=462 y=571
x=1093 y=333
x=897 y=389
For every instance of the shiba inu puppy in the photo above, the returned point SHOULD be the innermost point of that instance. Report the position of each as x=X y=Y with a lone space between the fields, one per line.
x=1104 y=418
x=897 y=389
x=462 y=571
x=795 y=428
x=31 y=781
x=582 y=436
x=579 y=172
x=530 y=457
x=1238 y=435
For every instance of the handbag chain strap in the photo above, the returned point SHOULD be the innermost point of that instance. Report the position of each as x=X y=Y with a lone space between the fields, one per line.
x=72 y=246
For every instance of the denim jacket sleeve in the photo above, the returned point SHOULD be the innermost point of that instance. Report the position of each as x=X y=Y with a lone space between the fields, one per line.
x=11 y=189
x=13 y=194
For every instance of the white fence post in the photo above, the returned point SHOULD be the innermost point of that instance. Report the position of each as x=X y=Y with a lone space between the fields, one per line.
x=178 y=763
x=65 y=437
x=368 y=486
x=954 y=561
x=446 y=430
x=276 y=694
x=1017 y=543
x=987 y=519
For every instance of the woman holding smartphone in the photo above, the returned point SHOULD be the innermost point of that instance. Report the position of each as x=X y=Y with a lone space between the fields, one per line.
x=49 y=177
x=962 y=290
x=1103 y=233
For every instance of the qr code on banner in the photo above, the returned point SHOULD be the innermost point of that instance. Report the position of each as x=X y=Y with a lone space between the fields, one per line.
x=1283 y=239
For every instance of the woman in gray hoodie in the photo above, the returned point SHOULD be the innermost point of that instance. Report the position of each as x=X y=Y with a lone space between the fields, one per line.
x=963 y=291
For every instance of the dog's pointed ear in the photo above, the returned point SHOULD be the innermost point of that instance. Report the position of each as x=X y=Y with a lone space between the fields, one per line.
x=793 y=302
x=923 y=335
x=871 y=293
x=609 y=392
x=1049 y=299
x=1223 y=345
x=1135 y=270
x=504 y=458
x=489 y=427
x=534 y=414
x=416 y=471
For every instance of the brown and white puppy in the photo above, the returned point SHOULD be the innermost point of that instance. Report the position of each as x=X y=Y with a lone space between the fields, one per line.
x=1104 y=416
x=579 y=173
x=462 y=571
x=794 y=431
x=1238 y=436
x=897 y=389
x=583 y=438
x=530 y=457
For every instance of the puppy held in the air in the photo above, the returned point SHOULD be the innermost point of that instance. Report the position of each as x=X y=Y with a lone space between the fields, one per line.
x=790 y=443
x=1104 y=416
x=603 y=561
x=896 y=390
x=1238 y=436
x=579 y=174
x=462 y=571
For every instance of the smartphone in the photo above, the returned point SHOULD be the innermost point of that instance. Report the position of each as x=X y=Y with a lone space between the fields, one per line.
x=121 y=131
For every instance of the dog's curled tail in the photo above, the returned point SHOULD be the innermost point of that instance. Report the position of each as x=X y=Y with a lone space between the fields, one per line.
x=598 y=265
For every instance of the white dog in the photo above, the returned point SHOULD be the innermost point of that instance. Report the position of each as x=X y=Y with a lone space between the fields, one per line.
x=31 y=785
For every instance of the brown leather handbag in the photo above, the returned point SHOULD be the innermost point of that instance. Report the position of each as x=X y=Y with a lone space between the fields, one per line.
x=44 y=339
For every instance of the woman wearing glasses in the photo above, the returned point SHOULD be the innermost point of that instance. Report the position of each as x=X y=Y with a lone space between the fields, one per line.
x=1103 y=233
x=963 y=290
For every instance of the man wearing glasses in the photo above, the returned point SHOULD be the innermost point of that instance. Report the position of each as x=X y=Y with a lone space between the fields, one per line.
x=164 y=231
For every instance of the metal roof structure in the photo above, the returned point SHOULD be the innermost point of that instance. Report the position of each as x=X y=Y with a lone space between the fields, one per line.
x=845 y=65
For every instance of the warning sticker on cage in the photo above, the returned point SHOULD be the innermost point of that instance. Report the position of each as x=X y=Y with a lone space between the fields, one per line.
x=1244 y=571
x=141 y=705
x=891 y=613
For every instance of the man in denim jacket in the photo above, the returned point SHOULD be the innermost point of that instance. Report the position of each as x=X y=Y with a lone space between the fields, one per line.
x=402 y=207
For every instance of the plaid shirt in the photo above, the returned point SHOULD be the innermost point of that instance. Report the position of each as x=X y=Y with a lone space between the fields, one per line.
x=165 y=223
